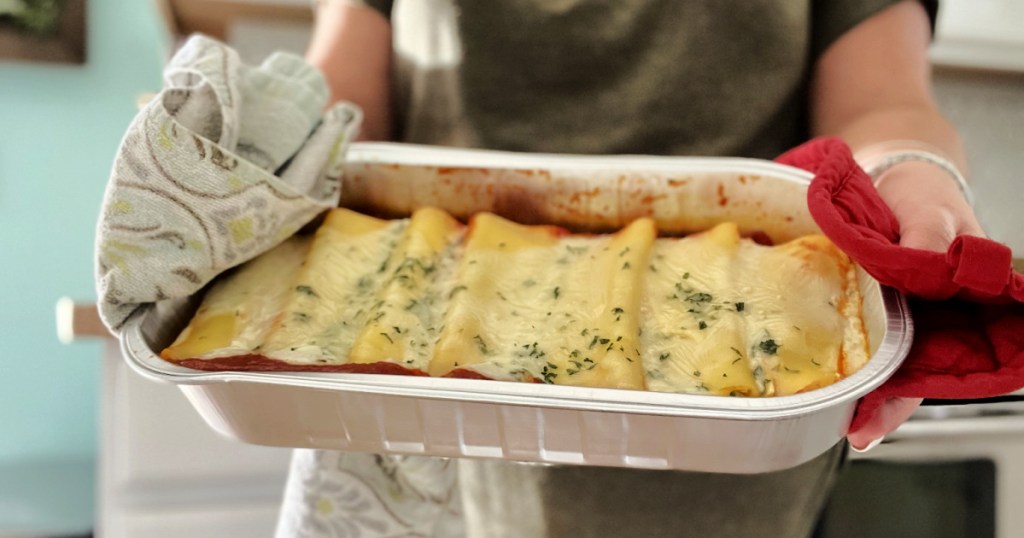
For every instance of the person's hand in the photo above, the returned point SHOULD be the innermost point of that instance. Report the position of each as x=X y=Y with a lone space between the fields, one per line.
x=931 y=212
x=928 y=204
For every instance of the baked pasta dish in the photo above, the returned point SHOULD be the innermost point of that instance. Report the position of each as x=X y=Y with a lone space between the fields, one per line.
x=710 y=313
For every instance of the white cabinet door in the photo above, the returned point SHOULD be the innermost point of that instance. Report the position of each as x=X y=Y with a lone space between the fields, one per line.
x=983 y=34
x=164 y=472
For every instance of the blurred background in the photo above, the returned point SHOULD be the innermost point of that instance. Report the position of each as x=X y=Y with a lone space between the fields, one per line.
x=62 y=117
x=86 y=444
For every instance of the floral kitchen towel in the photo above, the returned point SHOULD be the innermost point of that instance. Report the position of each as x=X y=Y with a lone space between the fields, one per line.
x=224 y=163
x=352 y=495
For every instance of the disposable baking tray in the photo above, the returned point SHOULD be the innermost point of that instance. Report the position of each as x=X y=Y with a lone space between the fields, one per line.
x=537 y=422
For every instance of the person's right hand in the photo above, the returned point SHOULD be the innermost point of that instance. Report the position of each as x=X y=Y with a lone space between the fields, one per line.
x=928 y=204
x=931 y=212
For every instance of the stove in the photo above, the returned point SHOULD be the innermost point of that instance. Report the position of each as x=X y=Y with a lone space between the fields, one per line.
x=955 y=469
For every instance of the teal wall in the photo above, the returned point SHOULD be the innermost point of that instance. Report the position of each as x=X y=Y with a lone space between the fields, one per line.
x=59 y=130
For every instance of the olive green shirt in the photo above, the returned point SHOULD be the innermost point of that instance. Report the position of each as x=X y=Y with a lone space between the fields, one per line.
x=671 y=77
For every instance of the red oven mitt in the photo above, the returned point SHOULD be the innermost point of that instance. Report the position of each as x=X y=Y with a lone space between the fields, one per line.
x=967 y=304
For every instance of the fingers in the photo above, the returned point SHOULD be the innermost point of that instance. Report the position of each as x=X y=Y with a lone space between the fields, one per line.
x=932 y=212
x=935 y=228
x=928 y=231
x=929 y=206
x=890 y=415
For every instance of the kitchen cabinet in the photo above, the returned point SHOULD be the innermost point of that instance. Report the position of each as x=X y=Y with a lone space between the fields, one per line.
x=216 y=17
x=980 y=35
x=164 y=473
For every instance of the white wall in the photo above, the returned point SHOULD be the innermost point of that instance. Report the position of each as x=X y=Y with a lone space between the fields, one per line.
x=988 y=111
x=979 y=83
x=980 y=33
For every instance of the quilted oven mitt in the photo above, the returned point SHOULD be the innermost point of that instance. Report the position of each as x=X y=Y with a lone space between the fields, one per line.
x=967 y=303
x=227 y=161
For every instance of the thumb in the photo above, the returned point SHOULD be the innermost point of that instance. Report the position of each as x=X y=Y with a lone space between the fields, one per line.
x=934 y=231
x=890 y=415
x=932 y=238
x=928 y=230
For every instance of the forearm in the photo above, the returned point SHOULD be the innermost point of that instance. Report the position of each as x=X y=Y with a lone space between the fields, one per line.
x=351 y=46
x=873 y=88
x=921 y=122
x=874 y=85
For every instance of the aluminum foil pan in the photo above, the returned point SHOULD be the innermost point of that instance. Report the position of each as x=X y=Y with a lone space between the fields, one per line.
x=536 y=422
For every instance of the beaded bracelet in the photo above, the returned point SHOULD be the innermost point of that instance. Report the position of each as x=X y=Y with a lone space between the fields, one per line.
x=892 y=159
x=878 y=158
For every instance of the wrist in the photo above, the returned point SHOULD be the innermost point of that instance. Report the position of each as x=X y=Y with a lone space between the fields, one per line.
x=914 y=183
x=893 y=159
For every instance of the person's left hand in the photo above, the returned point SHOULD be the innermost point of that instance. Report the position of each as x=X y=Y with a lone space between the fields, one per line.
x=931 y=212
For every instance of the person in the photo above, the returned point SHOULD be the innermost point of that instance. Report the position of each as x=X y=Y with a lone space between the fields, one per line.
x=668 y=77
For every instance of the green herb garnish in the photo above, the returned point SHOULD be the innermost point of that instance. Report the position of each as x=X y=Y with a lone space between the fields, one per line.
x=699 y=297
x=307 y=290
x=480 y=344
x=769 y=346
x=549 y=374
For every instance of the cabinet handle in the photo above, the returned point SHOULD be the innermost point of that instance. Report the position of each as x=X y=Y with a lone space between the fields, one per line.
x=78 y=321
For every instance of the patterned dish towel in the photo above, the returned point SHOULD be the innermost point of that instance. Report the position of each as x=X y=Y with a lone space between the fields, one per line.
x=333 y=494
x=225 y=163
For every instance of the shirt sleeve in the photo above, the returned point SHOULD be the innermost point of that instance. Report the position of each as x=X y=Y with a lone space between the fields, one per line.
x=830 y=19
x=381 y=6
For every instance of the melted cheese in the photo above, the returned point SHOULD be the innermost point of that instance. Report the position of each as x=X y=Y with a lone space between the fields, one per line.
x=799 y=292
x=532 y=306
x=603 y=294
x=709 y=313
x=505 y=285
x=695 y=316
x=731 y=317
x=238 y=311
x=406 y=319
x=336 y=290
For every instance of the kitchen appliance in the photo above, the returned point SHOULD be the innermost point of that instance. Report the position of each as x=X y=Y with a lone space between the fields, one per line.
x=955 y=469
